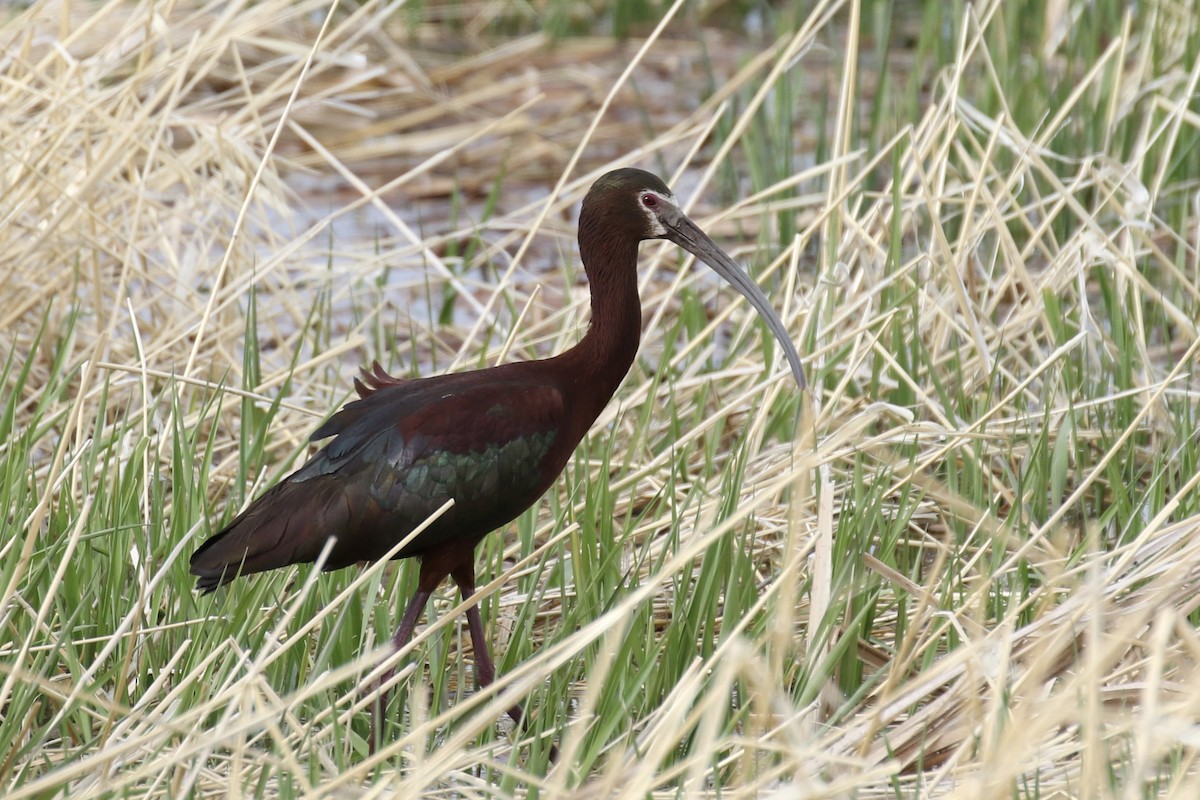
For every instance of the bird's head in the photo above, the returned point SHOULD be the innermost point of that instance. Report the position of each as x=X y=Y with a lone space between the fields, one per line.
x=634 y=205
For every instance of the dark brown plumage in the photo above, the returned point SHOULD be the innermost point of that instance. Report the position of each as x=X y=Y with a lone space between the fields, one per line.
x=492 y=439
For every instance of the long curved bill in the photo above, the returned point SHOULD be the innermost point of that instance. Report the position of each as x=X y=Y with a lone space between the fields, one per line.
x=685 y=233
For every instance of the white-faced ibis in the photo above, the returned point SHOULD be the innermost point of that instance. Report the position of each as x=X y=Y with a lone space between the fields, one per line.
x=492 y=439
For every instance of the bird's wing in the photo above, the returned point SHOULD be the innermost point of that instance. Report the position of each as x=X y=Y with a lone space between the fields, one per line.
x=395 y=457
x=404 y=422
x=374 y=379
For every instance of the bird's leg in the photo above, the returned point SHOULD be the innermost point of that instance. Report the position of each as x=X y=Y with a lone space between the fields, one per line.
x=408 y=624
x=485 y=669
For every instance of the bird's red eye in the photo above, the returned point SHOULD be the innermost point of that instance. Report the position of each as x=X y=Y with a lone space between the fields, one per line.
x=649 y=200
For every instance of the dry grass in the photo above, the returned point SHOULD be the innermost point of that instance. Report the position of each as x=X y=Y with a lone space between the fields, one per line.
x=975 y=562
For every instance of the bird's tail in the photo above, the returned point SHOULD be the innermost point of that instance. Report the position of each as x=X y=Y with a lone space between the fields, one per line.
x=287 y=525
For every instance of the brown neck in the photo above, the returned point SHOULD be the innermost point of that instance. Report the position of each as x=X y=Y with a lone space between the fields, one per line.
x=603 y=357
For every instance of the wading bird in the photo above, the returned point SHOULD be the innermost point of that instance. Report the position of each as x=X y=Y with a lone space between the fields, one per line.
x=493 y=440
